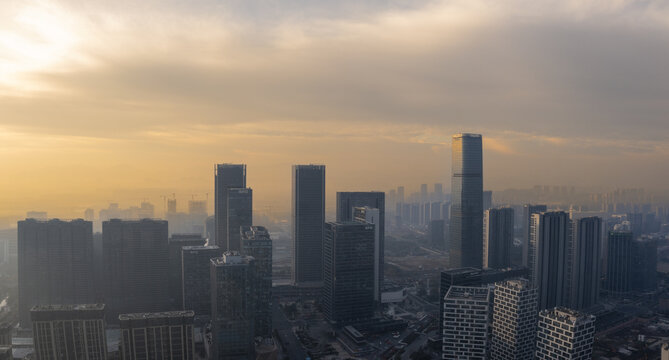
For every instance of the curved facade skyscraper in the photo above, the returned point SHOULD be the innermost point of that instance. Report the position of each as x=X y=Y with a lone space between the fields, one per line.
x=466 y=230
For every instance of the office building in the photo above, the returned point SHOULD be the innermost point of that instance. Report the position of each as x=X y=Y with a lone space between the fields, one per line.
x=372 y=216
x=164 y=335
x=565 y=334
x=346 y=202
x=497 y=238
x=240 y=215
x=227 y=176
x=466 y=313
x=466 y=225
x=176 y=243
x=585 y=262
x=437 y=233
x=528 y=211
x=69 y=332
x=257 y=243
x=196 y=273
x=514 y=320
x=135 y=266
x=348 y=262
x=644 y=265
x=308 y=220
x=55 y=264
x=232 y=307
x=617 y=281
x=548 y=258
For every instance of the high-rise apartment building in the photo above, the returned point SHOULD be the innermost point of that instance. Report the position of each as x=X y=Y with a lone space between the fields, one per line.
x=497 y=238
x=438 y=192
x=585 y=262
x=514 y=320
x=466 y=313
x=176 y=243
x=55 y=264
x=528 y=211
x=565 y=334
x=257 y=243
x=348 y=267
x=466 y=225
x=164 y=335
x=196 y=274
x=423 y=193
x=227 y=176
x=69 y=332
x=232 y=307
x=487 y=200
x=135 y=267
x=240 y=215
x=617 y=281
x=549 y=258
x=308 y=220
x=372 y=216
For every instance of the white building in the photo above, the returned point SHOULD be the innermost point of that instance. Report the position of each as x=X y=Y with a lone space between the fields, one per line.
x=514 y=320
x=565 y=334
x=466 y=312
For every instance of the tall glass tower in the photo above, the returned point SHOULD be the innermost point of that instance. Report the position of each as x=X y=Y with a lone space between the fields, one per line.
x=308 y=208
x=466 y=230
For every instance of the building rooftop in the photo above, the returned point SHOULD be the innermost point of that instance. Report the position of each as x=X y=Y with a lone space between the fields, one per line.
x=158 y=315
x=199 y=247
x=231 y=258
x=251 y=232
x=461 y=271
x=76 y=307
x=567 y=315
x=467 y=135
x=518 y=284
x=469 y=293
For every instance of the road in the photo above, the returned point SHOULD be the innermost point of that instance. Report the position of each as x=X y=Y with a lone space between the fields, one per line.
x=284 y=328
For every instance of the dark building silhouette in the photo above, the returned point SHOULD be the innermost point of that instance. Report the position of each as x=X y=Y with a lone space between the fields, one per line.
x=164 y=335
x=437 y=231
x=466 y=226
x=176 y=242
x=372 y=216
x=498 y=238
x=528 y=211
x=69 y=332
x=136 y=259
x=644 y=265
x=585 y=262
x=548 y=258
x=308 y=219
x=55 y=264
x=257 y=243
x=5 y=334
x=196 y=282
x=619 y=263
x=232 y=306
x=240 y=215
x=227 y=176
x=348 y=264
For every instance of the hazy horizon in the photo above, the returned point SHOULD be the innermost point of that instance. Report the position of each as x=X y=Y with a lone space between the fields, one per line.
x=119 y=102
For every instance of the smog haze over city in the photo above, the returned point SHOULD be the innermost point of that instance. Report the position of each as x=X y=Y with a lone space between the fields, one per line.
x=323 y=180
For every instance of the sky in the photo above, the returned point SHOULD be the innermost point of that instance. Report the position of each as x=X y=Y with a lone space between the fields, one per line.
x=126 y=101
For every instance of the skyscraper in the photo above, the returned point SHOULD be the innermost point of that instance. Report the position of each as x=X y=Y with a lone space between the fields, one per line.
x=257 y=243
x=437 y=231
x=308 y=219
x=497 y=238
x=232 y=307
x=528 y=211
x=585 y=262
x=348 y=280
x=69 y=332
x=423 y=193
x=372 y=216
x=55 y=264
x=619 y=263
x=548 y=258
x=466 y=312
x=176 y=243
x=164 y=335
x=135 y=265
x=466 y=228
x=196 y=283
x=487 y=200
x=438 y=192
x=240 y=215
x=514 y=320
x=644 y=268
x=565 y=334
x=227 y=176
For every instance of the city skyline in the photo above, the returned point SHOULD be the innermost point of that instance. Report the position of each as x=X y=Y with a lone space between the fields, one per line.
x=96 y=117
